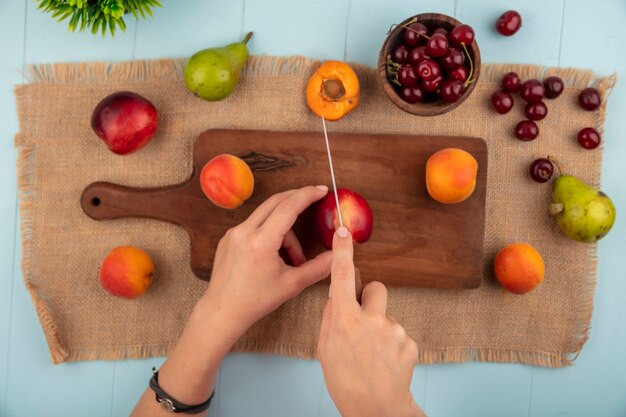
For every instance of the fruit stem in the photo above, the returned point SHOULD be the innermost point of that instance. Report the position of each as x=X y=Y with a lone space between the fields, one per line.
x=247 y=38
x=397 y=24
x=471 y=72
x=392 y=70
x=406 y=26
x=555 y=208
x=556 y=163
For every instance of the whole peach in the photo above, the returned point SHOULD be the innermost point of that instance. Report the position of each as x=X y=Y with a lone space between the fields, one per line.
x=125 y=121
x=227 y=181
x=451 y=175
x=126 y=272
x=519 y=268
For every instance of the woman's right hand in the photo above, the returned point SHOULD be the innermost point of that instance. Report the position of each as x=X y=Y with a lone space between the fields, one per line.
x=367 y=357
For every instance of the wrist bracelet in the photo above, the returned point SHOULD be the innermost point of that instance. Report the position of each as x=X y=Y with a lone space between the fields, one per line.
x=170 y=404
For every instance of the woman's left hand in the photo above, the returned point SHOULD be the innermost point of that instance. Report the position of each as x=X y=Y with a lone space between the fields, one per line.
x=250 y=279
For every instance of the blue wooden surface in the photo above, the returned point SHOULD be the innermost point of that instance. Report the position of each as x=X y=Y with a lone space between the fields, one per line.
x=557 y=32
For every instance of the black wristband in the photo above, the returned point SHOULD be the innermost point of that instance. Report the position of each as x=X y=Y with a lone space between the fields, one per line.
x=172 y=405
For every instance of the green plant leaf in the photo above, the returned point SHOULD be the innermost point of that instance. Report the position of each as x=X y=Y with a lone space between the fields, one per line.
x=74 y=20
x=97 y=15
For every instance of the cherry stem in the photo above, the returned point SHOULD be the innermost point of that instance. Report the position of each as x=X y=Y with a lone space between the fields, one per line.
x=471 y=72
x=397 y=24
x=405 y=25
x=556 y=163
x=392 y=70
x=247 y=38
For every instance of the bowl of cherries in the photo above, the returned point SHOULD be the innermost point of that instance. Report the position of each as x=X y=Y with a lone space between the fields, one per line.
x=429 y=64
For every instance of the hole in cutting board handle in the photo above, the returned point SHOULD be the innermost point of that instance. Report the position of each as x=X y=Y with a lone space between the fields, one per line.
x=95 y=201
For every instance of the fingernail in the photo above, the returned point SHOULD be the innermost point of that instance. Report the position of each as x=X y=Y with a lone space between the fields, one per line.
x=343 y=232
x=322 y=188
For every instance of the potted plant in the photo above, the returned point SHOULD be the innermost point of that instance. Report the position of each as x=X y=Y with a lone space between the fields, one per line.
x=97 y=15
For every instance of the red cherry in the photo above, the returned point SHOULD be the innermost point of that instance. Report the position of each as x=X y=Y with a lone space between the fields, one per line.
x=432 y=85
x=554 y=86
x=536 y=110
x=589 y=99
x=511 y=82
x=418 y=54
x=502 y=101
x=452 y=59
x=509 y=23
x=526 y=130
x=407 y=75
x=462 y=34
x=400 y=54
x=589 y=138
x=532 y=90
x=428 y=70
x=451 y=90
x=541 y=170
x=460 y=73
x=413 y=35
x=413 y=94
x=441 y=31
x=437 y=45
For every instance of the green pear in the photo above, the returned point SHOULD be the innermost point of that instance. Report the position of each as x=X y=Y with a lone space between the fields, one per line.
x=582 y=212
x=213 y=73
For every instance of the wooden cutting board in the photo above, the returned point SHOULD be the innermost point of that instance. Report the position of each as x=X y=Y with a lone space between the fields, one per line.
x=416 y=242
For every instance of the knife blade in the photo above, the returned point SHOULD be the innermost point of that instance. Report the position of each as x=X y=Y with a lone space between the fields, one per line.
x=332 y=171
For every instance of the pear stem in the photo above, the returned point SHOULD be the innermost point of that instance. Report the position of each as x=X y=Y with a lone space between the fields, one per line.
x=247 y=38
x=555 y=208
x=555 y=162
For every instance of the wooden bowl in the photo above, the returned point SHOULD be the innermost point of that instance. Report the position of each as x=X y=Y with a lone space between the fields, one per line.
x=431 y=20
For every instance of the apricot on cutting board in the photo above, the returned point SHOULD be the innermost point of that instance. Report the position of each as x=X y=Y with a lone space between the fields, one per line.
x=227 y=181
x=126 y=272
x=519 y=268
x=451 y=175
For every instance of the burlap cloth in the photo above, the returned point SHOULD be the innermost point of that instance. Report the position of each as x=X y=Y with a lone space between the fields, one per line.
x=63 y=248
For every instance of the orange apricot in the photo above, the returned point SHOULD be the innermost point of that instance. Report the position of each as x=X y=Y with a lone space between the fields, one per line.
x=227 y=181
x=451 y=175
x=333 y=90
x=126 y=272
x=519 y=268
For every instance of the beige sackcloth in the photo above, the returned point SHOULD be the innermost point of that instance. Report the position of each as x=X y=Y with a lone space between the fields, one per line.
x=63 y=249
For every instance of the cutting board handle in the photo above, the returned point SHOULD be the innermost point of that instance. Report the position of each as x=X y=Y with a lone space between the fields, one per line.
x=104 y=200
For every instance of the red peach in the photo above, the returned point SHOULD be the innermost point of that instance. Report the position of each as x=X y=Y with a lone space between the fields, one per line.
x=355 y=212
x=125 y=121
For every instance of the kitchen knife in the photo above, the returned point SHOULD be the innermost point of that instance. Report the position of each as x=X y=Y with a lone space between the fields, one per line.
x=332 y=171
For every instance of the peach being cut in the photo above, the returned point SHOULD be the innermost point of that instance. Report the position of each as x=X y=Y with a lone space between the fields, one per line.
x=227 y=181
x=355 y=213
x=126 y=272
x=519 y=268
x=451 y=175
